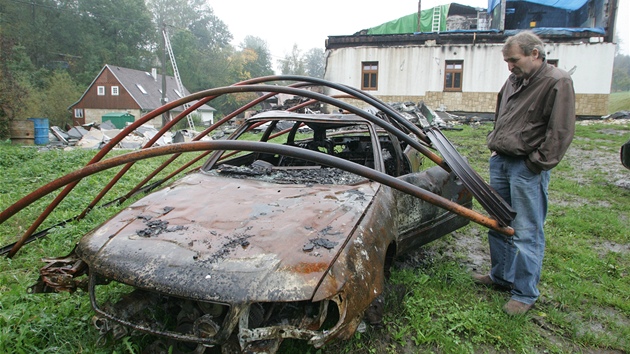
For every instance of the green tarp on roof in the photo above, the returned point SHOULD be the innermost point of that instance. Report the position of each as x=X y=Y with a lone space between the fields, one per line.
x=409 y=23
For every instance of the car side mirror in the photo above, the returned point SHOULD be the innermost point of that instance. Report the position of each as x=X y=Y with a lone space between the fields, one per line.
x=625 y=154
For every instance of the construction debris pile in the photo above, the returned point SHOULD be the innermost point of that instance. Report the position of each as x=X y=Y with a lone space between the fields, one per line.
x=95 y=136
x=423 y=116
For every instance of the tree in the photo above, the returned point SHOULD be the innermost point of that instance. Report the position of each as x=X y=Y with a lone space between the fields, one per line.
x=116 y=32
x=293 y=63
x=80 y=36
x=12 y=94
x=52 y=100
x=312 y=63
x=200 y=41
x=315 y=62
x=621 y=73
x=259 y=57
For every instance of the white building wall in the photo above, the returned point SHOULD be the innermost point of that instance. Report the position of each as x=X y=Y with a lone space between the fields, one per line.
x=593 y=64
x=418 y=71
x=413 y=70
x=207 y=117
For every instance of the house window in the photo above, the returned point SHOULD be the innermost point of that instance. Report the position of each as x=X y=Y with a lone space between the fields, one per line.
x=78 y=113
x=114 y=90
x=453 y=75
x=553 y=62
x=369 y=74
x=100 y=90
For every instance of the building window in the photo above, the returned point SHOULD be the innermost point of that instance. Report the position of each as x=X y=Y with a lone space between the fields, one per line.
x=369 y=74
x=100 y=90
x=453 y=75
x=78 y=113
x=114 y=90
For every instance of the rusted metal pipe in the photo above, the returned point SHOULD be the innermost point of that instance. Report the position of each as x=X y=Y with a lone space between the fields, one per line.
x=327 y=99
x=106 y=149
x=211 y=93
x=201 y=135
x=292 y=151
x=150 y=143
x=204 y=96
x=351 y=91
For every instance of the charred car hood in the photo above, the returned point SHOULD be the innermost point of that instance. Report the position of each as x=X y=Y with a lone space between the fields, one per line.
x=233 y=240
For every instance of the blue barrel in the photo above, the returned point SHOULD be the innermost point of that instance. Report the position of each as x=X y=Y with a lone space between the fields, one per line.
x=41 y=130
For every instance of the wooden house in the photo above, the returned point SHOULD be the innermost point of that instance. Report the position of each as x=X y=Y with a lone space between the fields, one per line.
x=121 y=90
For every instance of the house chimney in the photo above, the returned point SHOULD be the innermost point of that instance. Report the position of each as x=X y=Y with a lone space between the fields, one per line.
x=154 y=73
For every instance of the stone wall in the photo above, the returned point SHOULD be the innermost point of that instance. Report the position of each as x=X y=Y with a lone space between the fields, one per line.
x=591 y=104
x=485 y=102
x=462 y=101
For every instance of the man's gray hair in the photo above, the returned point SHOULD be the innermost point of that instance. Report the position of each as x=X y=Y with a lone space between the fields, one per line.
x=527 y=41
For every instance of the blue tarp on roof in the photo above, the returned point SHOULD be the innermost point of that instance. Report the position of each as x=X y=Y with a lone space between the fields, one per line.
x=559 y=31
x=537 y=30
x=570 y=5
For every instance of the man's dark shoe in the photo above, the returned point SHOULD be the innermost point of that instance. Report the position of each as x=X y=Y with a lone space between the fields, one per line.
x=516 y=308
x=485 y=280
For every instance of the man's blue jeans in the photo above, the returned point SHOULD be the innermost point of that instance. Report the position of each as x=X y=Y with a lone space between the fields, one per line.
x=517 y=261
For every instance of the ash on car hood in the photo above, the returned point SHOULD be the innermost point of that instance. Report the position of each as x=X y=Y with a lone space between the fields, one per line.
x=231 y=240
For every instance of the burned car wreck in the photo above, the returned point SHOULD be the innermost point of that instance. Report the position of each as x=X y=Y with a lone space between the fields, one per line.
x=290 y=236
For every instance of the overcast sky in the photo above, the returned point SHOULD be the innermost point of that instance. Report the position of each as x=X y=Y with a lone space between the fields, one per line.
x=282 y=23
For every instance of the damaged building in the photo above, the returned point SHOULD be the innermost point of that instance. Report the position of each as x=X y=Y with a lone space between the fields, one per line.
x=449 y=56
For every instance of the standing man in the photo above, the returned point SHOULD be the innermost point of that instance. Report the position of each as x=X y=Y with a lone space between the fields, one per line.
x=534 y=125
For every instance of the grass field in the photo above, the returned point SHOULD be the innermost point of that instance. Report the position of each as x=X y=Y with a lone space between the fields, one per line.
x=432 y=304
x=619 y=101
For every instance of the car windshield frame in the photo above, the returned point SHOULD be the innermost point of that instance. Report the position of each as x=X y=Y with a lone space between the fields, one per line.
x=317 y=121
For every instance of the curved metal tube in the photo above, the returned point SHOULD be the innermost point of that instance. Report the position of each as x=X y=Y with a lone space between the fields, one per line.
x=112 y=143
x=207 y=95
x=244 y=86
x=349 y=90
x=197 y=138
x=292 y=151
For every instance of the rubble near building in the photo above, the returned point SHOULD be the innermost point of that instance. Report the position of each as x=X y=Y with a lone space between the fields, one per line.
x=95 y=136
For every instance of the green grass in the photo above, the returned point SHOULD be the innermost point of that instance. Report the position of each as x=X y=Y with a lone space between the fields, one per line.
x=433 y=305
x=55 y=323
x=619 y=101
x=585 y=300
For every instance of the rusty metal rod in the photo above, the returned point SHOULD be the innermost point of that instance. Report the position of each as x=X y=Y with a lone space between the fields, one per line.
x=366 y=97
x=99 y=155
x=150 y=143
x=327 y=99
x=199 y=137
x=206 y=95
x=292 y=151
